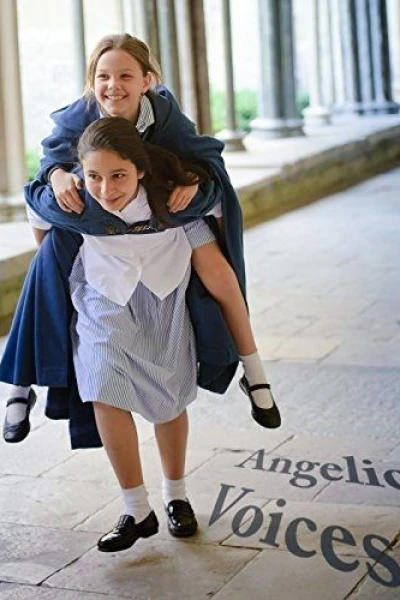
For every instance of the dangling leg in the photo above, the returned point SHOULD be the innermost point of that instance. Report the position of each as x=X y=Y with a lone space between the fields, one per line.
x=220 y=280
x=118 y=433
x=20 y=401
x=172 y=441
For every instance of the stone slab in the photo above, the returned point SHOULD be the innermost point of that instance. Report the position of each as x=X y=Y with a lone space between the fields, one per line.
x=330 y=449
x=366 y=353
x=50 y=502
x=15 y=239
x=306 y=348
x=385 y=585
x=155 y=569
x=360 y=521
x=31 y=554
x=384 y=494
x=44 y=448
x=27 y=592
x=225 y=469
x=283 y=576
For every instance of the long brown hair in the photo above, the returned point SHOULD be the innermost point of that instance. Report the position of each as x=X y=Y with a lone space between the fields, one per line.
x=163 y=169
x=138 y=49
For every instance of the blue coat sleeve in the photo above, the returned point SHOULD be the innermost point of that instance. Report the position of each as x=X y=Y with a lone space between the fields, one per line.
x=60 y=147
x=94 y=220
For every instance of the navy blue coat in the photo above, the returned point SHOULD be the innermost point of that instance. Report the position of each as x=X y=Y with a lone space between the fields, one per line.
x=39 y=348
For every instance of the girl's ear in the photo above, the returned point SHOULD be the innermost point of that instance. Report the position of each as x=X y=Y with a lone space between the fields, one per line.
x=141 y=174
x=147 y=82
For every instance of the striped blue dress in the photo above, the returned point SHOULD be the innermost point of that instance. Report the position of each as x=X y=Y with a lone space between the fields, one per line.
x=140 y=357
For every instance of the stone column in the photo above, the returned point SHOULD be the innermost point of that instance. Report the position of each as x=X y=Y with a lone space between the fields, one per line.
x=79 y=44
x=379 y=36
x=338 y=58
x=231 y=136
x=192 y=48
x=12 y=151
x=351 y=53
x=186 y=58
x=394 y=22
x=140 y=20
x=316 y=113
x=129 y=18
x=277 y=102
x=367 y=65
x=168 y=46
x=364 y=40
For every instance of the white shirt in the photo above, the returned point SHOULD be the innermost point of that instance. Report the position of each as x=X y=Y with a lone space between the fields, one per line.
x=114 y=265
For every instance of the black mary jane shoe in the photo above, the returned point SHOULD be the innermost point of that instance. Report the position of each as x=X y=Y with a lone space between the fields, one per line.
x=126 y=532
x=181 y=518
x=266 y=417
x=18 y=432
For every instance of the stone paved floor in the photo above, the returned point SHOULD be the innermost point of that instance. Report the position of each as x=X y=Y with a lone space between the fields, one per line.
x=305 y=512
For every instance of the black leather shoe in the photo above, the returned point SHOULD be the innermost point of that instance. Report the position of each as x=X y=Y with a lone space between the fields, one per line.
x=18 y=432
x=126 y=532
x=266 y=417
x=181 y=519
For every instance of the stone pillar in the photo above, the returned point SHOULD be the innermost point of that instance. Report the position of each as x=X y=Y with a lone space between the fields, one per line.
x=192 y=50
x=231 y=136
x=394 y=22
x=338 y=58
x=140 y=19
x=12 y=151
x=129 y=17
x=379 y=36
x=186 y=58
x=352 y=101
x=316 y=113
x=367 y=65
x=277 y=103
x=79 y=44
x=168 y=46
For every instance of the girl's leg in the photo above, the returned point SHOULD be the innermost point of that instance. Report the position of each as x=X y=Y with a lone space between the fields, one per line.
x=118 y=433
x=16 y=413
x=172 y=441
x=220 y=280
x=16 y=425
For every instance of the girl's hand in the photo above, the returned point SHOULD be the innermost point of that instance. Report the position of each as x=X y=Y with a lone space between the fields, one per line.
x=181 y=197
x=65 y=186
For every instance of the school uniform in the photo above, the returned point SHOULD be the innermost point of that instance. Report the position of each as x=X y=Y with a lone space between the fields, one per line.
x=39 y=348
x=132 y=338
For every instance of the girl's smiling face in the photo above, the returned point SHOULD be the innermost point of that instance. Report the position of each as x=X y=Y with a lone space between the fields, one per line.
x=119 y=84
x=110 y=179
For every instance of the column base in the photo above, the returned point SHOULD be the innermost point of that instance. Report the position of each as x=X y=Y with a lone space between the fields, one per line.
x=374 y=107
x=233 y=139
x=317 y=115
x=276 y=128
x=385 y=107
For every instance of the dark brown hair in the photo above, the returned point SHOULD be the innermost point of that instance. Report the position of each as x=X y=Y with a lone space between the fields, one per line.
x=163 y=169
x=138 y=49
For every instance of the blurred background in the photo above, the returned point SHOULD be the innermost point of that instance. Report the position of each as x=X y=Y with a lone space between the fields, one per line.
x=265 y=61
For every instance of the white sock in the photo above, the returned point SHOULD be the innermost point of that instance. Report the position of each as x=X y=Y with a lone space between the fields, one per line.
x=255 y=374
x=173 y=489
x=136 y=502
x=17 y=412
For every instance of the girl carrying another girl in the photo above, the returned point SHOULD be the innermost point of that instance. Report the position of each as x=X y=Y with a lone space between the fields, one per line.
x=120 y=75
x=133 y=342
